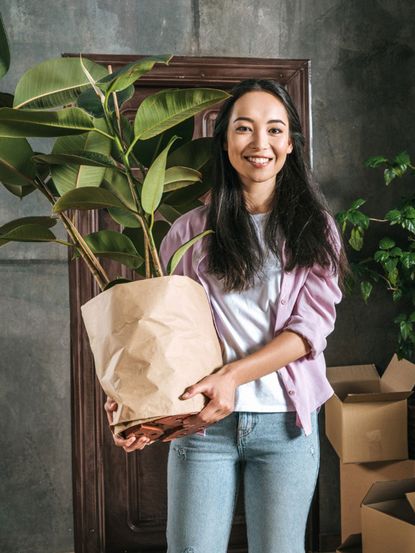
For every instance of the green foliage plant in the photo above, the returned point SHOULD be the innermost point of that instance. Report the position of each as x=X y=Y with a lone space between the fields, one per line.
x=145 y=174
x=392 y=263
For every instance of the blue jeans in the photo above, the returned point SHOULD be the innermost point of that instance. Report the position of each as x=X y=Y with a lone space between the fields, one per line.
x=279 y=467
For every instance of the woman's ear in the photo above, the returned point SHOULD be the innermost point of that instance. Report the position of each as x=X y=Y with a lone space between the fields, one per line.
x=290 y=147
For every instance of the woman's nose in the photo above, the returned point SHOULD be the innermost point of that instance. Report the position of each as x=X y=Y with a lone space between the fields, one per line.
x=260 y=140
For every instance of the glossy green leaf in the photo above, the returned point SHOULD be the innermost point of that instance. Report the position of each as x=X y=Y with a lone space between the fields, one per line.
x=375 y=161
x=31 y=232
x=19 y=191
x=169 y=212
x=117 y=183
x=366 y=289
x=179 y=253
x=87 y=198
x=55 y=82
x=114 y=245
x=68 y=177
x=154 y=181
x=16 y=166
x=357 y=203
x=118 y=280
x=146 y=151
x=128 y=74
x=4 y=50
x=194 y=154
x=167 y=108
x=92 y=159
x=15 y=123
x=186 y=195
x=356 y=238
x=180 y=177
x=386 y=243
x=389 y=174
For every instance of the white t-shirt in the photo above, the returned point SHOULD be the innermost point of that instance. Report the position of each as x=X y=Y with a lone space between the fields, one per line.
x=245 y=322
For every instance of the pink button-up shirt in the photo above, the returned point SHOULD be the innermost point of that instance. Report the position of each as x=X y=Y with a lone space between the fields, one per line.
x=306 y=305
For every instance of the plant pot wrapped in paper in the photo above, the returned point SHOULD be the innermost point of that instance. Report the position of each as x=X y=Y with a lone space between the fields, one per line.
x=151 y=339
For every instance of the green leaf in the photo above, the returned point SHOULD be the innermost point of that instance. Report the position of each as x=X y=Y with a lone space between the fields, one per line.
x=16 y=166
x=46 y=222
x=180 y=177
x=386 y=243
x=186 y=196
x=358 y=218
x=4 y=50
x=393 y=216
x=146 y=151
x=168 y=212
x=154 y=181
x=90 y=102
x=167 y=108
x=68 y=177
x=178 y=254
x=114 y=245
x=357 y=203
x=92 y=159
x=356 y=238
x=19 y=191
x=194 y=154
x=375 y=161
x=402 y=160
x=16 y=123
x=54 y=83
x=397 y=294
x=389 y=174
x=87 y=197
x=366 y=289
x=405 y=328
x=128 y=74
x=27 y=231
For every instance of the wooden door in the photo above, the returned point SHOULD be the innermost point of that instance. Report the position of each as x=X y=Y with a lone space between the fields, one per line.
x=119 y=498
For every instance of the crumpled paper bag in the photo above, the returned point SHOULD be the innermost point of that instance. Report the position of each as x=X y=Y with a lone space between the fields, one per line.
x=150 y=340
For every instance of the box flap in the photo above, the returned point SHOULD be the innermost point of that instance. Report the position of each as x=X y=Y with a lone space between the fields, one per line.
x=353 y=544
x=388 y=490
x=411 y=499
x=399 y=375
x=376 y=396
x=353 y=379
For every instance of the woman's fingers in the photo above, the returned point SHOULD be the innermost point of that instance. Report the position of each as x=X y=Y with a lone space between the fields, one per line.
x=110 y=406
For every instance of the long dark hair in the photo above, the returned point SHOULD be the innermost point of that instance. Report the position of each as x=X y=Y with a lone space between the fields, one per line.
x=298 y=210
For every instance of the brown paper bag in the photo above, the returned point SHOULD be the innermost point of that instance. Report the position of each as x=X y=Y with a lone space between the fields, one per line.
x=151 y=339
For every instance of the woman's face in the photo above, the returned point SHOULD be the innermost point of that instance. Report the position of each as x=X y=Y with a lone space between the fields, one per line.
x=258 y=139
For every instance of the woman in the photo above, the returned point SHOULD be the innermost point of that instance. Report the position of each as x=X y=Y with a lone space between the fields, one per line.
x=271 y=272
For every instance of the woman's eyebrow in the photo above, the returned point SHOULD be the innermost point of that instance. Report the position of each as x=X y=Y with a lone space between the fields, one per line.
x=252 y=121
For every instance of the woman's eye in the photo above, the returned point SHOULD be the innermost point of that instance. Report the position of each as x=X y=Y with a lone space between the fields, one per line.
x=275 y=130
x=242 y=129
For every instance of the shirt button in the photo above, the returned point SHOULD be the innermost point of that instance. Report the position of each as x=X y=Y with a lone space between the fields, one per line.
x=291 y=392
x=283 y=301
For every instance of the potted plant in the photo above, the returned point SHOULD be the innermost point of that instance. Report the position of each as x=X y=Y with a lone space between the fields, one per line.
x=137 y=173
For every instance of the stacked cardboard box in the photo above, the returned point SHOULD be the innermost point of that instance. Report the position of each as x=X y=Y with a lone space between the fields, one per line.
x=366 y=422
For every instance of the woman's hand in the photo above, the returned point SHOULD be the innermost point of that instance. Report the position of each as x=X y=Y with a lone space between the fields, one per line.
x=130 y=444
x=220 y=388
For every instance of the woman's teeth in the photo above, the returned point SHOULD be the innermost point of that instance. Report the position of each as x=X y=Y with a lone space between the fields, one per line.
x=258 y=160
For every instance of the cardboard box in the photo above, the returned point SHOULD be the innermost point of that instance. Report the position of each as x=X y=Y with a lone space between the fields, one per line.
x=388 y=517
x=366 y=418
x=353 y=544
x=355 y=481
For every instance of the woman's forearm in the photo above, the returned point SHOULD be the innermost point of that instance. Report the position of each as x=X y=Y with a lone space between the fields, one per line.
x=281 y=350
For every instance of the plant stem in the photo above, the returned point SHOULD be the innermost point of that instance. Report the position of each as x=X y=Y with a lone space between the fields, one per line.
x=378 y=220
x=91 y=261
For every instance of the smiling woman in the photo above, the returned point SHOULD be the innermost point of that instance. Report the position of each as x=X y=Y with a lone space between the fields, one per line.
x=270 y=271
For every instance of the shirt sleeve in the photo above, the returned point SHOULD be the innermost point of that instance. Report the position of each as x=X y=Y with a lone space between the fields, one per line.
x=314 y=312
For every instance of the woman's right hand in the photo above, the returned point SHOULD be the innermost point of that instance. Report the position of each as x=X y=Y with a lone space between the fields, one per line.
x=130 y=444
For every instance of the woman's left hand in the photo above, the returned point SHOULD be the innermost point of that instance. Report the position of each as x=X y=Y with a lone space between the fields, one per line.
x=220 y=389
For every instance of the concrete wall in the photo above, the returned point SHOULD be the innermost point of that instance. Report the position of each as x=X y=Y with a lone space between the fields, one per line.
x=362 y=57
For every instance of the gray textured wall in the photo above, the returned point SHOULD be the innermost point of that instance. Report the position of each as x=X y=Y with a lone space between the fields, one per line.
x=362 y=57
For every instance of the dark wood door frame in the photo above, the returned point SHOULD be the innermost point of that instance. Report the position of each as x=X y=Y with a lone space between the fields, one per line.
x=90 y=452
